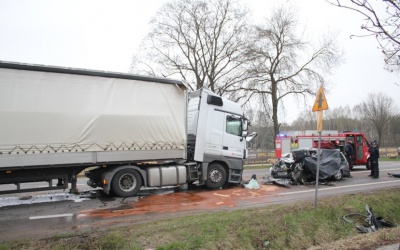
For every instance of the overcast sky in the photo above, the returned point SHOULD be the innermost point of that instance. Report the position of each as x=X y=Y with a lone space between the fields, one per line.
x=103 y=35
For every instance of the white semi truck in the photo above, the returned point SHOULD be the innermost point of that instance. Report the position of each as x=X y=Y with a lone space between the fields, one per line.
x=124 y=131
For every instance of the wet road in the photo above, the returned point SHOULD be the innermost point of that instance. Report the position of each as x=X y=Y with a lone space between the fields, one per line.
x=47 y=213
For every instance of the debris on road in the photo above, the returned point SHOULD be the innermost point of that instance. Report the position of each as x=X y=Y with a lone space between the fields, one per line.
x=394 y=175
x=33 y=199
x=253 y=183
x=278 y=181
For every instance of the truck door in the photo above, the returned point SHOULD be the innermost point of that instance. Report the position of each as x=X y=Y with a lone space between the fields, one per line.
x=215 y=135
x=359 y=148
x=233 y=142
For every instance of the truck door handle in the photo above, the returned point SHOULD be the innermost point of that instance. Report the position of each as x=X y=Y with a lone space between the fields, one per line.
x=225 y=148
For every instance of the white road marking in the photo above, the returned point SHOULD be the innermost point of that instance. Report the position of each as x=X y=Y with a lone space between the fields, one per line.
x=331 y=188
x=49 y=216
x=368 y=170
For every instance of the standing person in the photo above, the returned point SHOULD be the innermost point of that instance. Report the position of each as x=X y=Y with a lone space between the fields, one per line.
x=373 y=157
x=349 y=151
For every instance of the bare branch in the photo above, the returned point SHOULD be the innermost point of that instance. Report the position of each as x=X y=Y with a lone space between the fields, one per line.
x=382 y=20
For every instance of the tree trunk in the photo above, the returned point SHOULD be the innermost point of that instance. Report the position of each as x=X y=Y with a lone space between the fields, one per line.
x=274 y=98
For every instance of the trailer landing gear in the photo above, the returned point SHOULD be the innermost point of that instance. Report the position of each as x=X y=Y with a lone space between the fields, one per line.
x=74 y=189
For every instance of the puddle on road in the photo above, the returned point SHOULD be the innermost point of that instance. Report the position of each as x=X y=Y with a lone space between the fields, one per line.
x=185 y=201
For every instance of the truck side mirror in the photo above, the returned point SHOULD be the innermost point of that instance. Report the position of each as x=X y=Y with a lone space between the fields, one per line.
x=251 y=136
x=245 y=125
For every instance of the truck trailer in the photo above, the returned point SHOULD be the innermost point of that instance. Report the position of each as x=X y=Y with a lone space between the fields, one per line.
x=123 y=131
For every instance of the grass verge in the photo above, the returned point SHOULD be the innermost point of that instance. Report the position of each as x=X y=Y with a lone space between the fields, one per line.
x=286 y=226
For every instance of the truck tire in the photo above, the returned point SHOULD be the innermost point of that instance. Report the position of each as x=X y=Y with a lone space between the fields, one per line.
x=126 y=183
x=216 y=176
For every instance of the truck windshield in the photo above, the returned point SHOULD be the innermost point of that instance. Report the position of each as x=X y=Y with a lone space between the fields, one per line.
x=234 y=125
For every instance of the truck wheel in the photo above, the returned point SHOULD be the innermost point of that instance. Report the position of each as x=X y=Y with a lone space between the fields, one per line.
x=126 y=183
x=216 y=176
x=368 y=165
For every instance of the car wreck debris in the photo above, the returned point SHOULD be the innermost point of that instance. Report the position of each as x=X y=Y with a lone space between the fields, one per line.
x=372 y=222
x=394 y=175
x=253 y=183
x=279 y=181
x=300 y=167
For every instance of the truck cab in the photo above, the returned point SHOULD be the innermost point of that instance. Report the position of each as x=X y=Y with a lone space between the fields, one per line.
x=216 y=137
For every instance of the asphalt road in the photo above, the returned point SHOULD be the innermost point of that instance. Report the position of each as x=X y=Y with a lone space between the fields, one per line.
x=42 y=214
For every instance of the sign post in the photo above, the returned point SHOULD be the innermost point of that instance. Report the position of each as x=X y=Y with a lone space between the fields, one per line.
x=319 y=105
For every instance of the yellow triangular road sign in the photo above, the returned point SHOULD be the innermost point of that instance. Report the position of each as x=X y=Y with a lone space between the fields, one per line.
x=320 y=101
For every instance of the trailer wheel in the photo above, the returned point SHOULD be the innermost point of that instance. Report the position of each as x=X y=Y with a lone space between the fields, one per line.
x=126 y=183
x=216 y=176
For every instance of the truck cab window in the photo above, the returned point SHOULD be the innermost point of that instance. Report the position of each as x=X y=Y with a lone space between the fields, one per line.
x=234 y=125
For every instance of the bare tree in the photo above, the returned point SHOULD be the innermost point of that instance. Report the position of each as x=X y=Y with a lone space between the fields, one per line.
x=380 y=110
x=284 y=64
x=199 y=41
x=394 y=132
x=382 y=20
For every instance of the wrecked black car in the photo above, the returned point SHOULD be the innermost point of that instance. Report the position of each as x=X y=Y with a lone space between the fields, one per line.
x=300 y=166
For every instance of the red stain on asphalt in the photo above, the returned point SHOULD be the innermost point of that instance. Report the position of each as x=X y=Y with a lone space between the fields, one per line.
x=187 y=201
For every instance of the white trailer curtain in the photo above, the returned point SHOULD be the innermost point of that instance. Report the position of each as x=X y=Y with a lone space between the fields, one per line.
x=55 y=112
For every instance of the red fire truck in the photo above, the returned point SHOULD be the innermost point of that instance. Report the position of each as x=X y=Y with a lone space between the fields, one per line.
x=337 y=140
